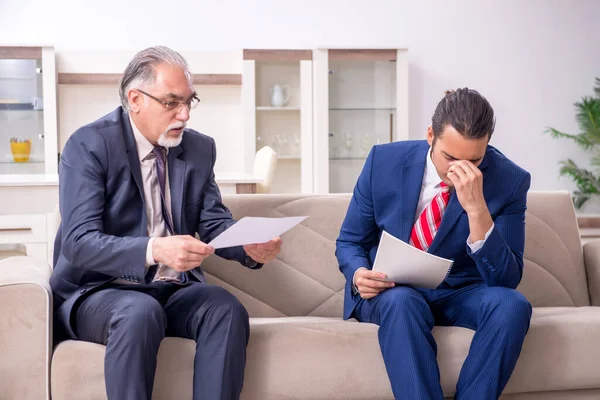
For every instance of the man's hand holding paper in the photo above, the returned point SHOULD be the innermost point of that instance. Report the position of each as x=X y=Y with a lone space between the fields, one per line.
x=370 y=283
x=406 y=265
x=259 y=236
x=264 y=252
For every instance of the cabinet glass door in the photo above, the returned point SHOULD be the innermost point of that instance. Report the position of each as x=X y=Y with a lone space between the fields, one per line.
x=22 y=147
x=362 y=113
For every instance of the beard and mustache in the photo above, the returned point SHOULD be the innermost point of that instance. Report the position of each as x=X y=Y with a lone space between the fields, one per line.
x=166 y=141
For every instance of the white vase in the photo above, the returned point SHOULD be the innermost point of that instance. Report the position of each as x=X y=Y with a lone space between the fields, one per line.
x=280 y=94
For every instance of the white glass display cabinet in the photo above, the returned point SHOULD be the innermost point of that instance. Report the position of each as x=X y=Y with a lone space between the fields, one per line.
x=28 y=118
x=360 y=100
x=277 y=100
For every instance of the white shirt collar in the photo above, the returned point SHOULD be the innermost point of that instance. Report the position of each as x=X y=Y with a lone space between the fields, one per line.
x=144 y=147
x=431 y=176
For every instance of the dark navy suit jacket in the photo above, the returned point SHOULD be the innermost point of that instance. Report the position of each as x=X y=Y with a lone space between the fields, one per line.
x=103 y=232
x=386 y=196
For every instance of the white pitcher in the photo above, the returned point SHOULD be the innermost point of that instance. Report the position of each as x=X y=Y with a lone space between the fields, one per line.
x=280 y=94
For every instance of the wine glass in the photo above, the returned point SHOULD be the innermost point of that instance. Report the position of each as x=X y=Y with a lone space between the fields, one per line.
x=366 y=143
x=296 y=144
x=273 y=142
x=282 y=143
x=349 y=143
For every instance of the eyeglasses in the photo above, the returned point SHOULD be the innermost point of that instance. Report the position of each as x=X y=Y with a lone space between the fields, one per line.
x=175 y=105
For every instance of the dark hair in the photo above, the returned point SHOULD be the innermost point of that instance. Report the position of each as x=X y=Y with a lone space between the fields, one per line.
x=467 y=111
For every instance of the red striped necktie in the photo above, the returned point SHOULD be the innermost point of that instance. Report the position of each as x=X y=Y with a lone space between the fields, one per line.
x=429 y=221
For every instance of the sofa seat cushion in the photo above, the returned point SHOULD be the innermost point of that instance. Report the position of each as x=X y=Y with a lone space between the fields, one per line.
x=328 y=358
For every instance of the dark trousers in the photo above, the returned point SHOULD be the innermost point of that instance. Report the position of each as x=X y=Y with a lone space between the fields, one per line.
x=406 y=316
x=132 y=320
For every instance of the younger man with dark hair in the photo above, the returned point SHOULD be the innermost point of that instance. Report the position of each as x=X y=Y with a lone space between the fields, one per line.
x=458 y=198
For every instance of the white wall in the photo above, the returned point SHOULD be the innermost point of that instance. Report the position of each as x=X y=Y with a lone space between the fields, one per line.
x=531 y=59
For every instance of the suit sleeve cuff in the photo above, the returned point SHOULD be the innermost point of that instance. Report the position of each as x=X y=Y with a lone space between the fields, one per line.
x=149 y=258
x=352 y=285
x=479 y=244
x=248 y=262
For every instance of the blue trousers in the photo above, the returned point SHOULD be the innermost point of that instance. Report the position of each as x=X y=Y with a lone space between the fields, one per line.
x=132 y=320
x=499 y=316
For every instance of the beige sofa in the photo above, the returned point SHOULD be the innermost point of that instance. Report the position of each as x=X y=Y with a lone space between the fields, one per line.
x=300 y=348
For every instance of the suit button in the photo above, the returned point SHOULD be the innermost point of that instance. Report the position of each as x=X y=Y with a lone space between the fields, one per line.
x=82 y=291
x=136 y=280
x=484 y=260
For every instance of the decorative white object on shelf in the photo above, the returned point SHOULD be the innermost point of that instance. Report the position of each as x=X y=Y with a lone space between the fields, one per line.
x=280 y=95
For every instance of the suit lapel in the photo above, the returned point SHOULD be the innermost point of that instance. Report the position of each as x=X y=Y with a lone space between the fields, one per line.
x=411 y=180
x=176 y=167
x=134 y=162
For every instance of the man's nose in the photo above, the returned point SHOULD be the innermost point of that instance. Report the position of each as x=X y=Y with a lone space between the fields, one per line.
x=183 y=114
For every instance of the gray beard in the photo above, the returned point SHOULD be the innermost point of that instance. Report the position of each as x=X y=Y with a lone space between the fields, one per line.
x=168 y=142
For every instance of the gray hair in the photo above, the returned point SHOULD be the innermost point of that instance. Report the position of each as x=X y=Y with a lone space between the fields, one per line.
x=140 y=72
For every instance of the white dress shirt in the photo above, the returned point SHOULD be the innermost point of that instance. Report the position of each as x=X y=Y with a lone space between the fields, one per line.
x=156 y=226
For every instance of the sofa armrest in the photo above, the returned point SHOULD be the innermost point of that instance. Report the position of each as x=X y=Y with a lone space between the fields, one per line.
x=25 y=328
x=591 y=256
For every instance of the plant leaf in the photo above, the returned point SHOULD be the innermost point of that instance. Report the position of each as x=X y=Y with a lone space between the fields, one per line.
x=582 y=140
x=586 y=182
x=579 y=199
x=588 y=118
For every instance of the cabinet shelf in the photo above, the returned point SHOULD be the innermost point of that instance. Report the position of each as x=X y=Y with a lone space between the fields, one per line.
x=23 y=163
x=361 y=109
x=269 y=108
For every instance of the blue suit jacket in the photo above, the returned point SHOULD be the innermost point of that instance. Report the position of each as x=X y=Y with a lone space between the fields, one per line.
x=386 y=197
x=103 y=232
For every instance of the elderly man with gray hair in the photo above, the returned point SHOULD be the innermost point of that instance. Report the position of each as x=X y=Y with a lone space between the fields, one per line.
x=136 y=186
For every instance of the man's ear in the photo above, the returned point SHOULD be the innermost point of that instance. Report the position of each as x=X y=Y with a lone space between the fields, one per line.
x=430 y=135
x=135 y=101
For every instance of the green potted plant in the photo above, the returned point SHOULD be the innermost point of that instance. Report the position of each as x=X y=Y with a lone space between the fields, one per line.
x=588 y=119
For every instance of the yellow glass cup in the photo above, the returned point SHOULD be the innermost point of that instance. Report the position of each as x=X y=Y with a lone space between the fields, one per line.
x=20 y=151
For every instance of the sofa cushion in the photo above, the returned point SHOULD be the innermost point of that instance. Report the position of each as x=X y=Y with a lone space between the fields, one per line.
x=327 y=358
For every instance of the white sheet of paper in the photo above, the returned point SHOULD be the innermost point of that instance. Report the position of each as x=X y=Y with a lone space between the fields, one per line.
x=250 y=230
x=407 y=265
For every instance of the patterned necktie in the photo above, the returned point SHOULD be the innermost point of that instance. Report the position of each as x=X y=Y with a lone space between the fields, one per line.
x=429 y=221
x=159 y=153
x=161 y=161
